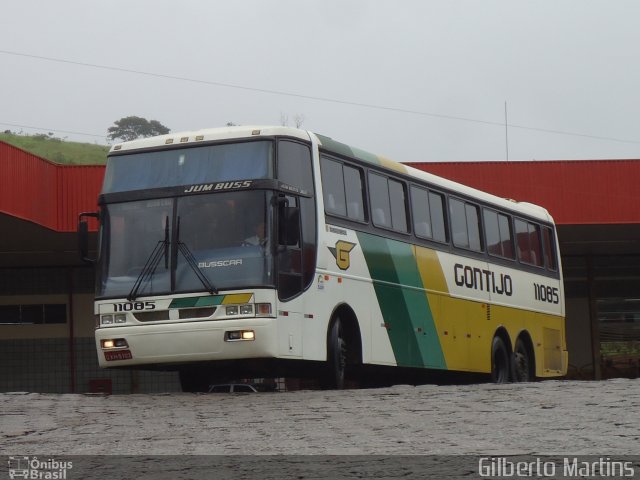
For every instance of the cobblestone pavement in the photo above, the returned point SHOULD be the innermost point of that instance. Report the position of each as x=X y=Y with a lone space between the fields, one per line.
x=549 y=417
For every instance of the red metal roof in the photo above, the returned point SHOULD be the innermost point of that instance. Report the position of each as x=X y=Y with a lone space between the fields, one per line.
x=574 y=191
x=46 y=193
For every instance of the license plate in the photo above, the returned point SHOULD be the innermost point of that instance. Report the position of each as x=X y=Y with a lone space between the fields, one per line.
x=119 y=355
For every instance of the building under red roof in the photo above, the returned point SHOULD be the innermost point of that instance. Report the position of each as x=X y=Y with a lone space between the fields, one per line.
x=596 y=205
x=576 y=192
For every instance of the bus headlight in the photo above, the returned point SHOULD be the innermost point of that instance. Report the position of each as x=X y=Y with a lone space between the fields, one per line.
x=113 y=343
x=249 y=310
x=239 y=335
x=110 y=319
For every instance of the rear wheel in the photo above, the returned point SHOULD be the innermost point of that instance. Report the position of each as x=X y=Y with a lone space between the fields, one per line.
x=499 y=361
x=522 y=362
x=336 y=356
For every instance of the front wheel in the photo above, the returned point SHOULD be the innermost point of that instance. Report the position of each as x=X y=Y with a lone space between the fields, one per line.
x=336 y=356
x=499 y=361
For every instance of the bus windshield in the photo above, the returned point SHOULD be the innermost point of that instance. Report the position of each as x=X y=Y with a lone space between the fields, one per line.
x=163 y=246
x=187 y=166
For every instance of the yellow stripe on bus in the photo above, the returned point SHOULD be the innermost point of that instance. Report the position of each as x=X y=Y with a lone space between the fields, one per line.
x=235 y=298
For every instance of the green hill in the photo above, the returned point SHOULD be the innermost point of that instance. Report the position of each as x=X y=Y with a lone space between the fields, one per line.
x=57 y=150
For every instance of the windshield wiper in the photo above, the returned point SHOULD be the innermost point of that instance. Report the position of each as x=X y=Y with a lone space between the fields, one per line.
x=191 y=260
x=161 y=249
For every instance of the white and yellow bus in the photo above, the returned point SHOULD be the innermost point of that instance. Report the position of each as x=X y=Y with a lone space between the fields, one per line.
x=271 y=251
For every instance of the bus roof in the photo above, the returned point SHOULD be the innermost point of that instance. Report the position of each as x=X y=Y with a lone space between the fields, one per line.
x=209 y=135
x=524 y=208
x=327 y=143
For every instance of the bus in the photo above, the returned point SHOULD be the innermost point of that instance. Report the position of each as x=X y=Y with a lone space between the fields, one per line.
x=248 y=252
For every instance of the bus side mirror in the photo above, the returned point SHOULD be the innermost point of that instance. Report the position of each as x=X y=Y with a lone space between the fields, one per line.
x=288 y=223
x=83 y=235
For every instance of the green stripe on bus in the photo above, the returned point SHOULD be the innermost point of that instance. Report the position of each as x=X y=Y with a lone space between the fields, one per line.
x=405 y=310
x=348 y=151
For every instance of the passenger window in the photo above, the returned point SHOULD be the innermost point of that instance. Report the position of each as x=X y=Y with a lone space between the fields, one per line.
x=428 y=214
x=536 y=245
x=458 y=224
x=421 y=212
x=379 y=196
x=342 y=186
x=388 y=204
x=549 y=249
x=333 y=187
x=522 y=239
x=436 y=207
x=528 y=240
x=465 y=225
x=473 y=226
x=354 y=193
x=506 y=236
x=498 y=234
x=398 y=206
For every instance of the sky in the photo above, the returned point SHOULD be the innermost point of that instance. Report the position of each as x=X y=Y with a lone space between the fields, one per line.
x=413 y=80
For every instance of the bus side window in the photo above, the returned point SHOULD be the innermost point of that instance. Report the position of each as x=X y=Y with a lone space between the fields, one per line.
x=333 y=187
x=388 y=203
x=522 y=240
x=529 y=243
x=536 y=245
x=437 y=209
x=465 y=225
x=354 y=191
x=397 y=197
x=379 y=198
x=497 y=228
x=549 y=249
x=421 y=212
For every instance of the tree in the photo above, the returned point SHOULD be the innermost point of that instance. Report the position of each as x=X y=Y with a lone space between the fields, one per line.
x=130 y=128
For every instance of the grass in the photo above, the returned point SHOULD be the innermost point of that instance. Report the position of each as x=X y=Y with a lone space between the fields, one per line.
x=57 y=150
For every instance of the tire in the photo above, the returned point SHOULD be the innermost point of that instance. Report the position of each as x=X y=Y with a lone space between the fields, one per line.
x=336 y=357
x=522 y=363
x=500 y=371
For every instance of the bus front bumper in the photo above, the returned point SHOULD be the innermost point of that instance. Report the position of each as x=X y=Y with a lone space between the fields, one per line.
x=175 y=343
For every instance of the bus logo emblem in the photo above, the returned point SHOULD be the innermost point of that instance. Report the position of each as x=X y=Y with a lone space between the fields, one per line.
x=341 y=253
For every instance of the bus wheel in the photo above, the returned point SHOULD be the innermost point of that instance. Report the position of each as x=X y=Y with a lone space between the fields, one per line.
x=499 y=361
x=521 y=362
x=336 y=356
